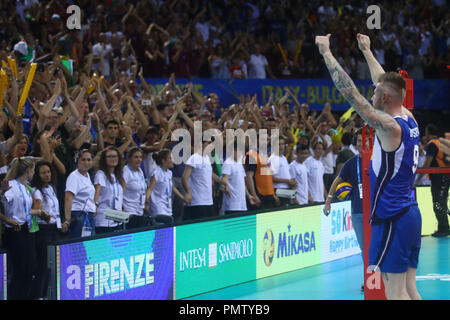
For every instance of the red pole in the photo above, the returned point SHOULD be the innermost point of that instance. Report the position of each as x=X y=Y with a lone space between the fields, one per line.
x=373 y=282
x=409 y=98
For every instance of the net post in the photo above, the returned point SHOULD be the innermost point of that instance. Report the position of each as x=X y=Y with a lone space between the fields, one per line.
x=373 y=282
x=408 y=102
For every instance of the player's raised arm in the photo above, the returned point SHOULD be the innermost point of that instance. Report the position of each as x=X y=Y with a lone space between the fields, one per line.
x=376 y=70
x=384 y=123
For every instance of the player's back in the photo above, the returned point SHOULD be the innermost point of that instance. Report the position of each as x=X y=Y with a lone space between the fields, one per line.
x=392 y=174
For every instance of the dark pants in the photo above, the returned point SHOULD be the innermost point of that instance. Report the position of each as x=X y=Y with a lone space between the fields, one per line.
x=47 y=233
x=267 y=202
x=77 y=223
x=198 y=212
x=21 y=249
x=103 y=230
x=328 y=179
x=136 y=221
x=162 y=220
x=177 y=203
x=439 y=193
x=234 y=212
x=358 y=226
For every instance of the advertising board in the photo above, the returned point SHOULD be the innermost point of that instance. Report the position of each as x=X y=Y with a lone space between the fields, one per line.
x=288 y=240
x=338 y=236
x=215 y=254
x=135 y=266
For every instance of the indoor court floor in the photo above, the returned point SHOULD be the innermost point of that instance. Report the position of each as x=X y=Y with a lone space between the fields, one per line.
x=342 y=279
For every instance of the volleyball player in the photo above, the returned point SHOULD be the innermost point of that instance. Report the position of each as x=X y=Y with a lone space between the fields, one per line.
x=351 y=172
x=395 y=217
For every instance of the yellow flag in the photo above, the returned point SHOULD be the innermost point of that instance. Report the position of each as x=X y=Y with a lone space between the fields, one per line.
x=347 y=114
x=26 y=88
x=13 y=66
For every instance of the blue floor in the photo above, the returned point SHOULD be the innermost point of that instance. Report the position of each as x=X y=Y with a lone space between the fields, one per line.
x=342 y=279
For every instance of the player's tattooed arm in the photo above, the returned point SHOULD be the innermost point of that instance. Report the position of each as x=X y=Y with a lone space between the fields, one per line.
x=375 y=118
x=375 y=68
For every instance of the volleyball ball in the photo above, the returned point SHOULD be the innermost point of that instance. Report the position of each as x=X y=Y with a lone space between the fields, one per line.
x=268 y=247
x=343 y=191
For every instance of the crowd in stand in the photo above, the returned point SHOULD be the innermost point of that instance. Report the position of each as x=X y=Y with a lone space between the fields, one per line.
x=93 y=135
x=230 y=39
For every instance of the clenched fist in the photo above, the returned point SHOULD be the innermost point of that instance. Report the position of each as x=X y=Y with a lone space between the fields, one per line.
x=323 y=43
x=363 y=42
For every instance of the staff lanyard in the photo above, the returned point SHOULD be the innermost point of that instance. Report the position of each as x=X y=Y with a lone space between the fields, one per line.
x=23 y=197
x=169 y=184
x=52 y=199
x=359 y=178
x=116 y=195
x=141 y=178
x=114 y=188
x=357 y=170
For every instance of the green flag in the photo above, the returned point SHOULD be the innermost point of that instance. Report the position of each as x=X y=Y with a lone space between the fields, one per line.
x=68 y=63
x=34 y=224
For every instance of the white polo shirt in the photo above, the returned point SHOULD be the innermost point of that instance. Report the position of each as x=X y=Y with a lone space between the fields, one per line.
x=200 y=180
x=300 y=173
x=257 y=66
x=83 y=190
x=315 y=178
x=328 y=160
x=236 y=183
x=134 y=194
x=111 y=197
x=161 y=197
x=280 y=168
x=50 y=203
x=17 y=202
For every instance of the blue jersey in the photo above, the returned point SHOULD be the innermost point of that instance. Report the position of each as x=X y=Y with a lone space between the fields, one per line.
x=349 y=173
x=392 y=174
